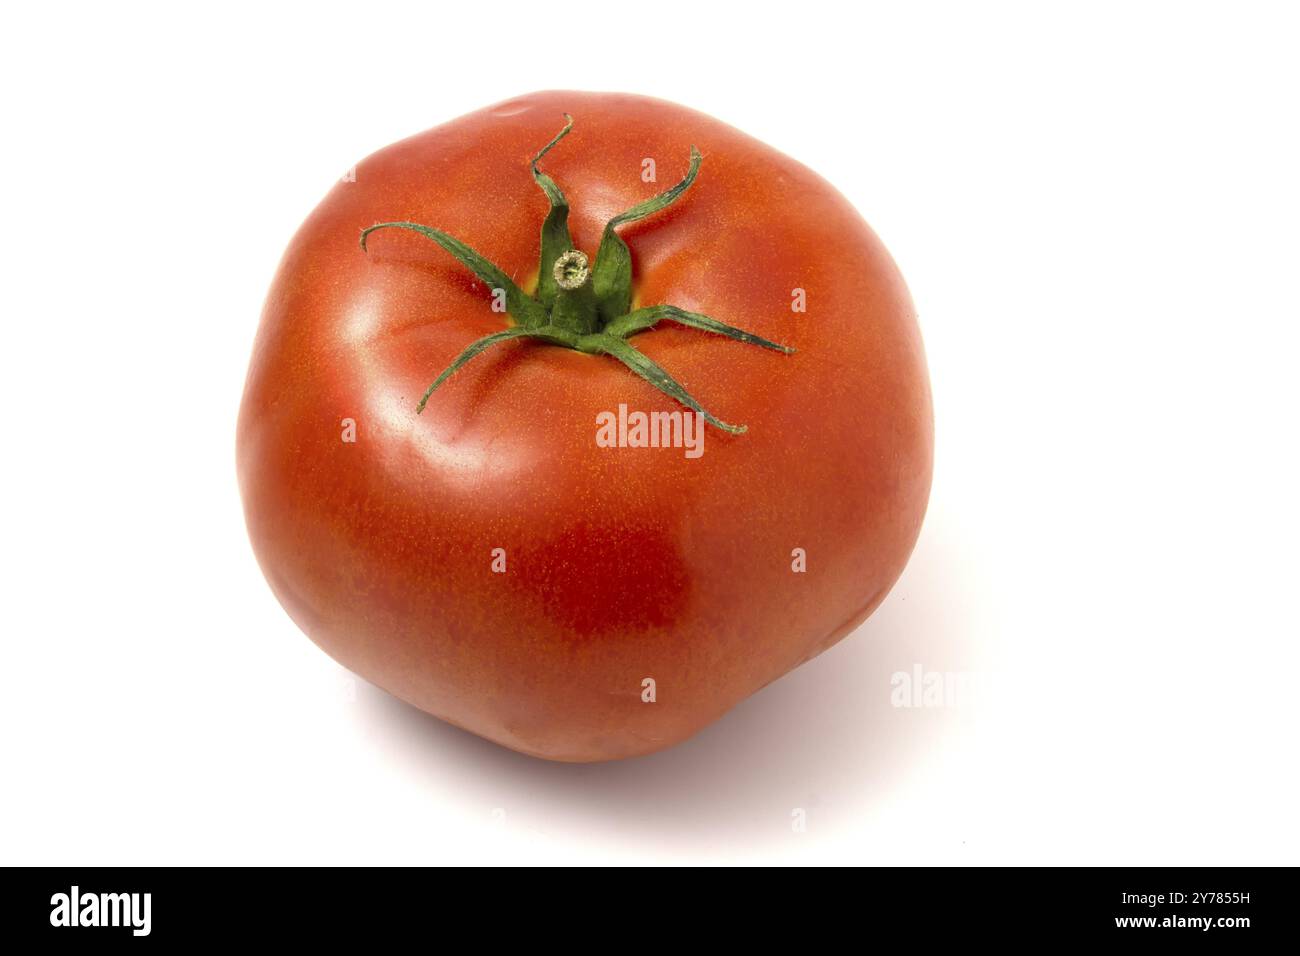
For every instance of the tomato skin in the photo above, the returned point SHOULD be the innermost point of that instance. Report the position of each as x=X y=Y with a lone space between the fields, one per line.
x=621 y=564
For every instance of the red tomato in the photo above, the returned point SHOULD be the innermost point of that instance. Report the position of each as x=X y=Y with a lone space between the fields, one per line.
x=490 y=559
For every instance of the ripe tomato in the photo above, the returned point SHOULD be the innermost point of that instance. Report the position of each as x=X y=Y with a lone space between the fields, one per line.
x=491 y=559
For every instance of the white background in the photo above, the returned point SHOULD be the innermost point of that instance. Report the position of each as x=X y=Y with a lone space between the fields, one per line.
x=1097 y=208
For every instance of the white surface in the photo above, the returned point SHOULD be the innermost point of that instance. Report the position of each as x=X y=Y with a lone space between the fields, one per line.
x=1098 y=213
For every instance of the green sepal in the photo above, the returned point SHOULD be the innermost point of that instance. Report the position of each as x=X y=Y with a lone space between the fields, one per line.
x=556 y=240
x=650 y=316
x=526 y=310
x=545 y=333
x=612 y=274
x=653 y=373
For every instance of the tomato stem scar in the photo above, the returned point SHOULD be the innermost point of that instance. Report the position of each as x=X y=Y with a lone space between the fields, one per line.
x=578 y=305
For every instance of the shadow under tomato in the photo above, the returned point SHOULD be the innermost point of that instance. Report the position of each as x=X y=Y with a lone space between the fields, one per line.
x=825 y=740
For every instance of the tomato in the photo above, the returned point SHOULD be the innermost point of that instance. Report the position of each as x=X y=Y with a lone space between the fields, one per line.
x=511 y=557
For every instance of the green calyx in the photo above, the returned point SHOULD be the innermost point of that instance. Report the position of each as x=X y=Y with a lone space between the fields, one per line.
x=579 y=305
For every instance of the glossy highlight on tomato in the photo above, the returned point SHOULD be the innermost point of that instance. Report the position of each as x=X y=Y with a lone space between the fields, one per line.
x=418 y=443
